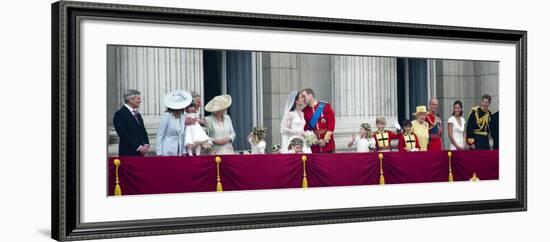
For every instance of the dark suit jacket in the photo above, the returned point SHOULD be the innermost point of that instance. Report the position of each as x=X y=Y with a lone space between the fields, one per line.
x=494 y=130
x=131 y=133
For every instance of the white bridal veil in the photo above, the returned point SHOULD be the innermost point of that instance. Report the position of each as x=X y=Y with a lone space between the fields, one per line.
x=286 y=110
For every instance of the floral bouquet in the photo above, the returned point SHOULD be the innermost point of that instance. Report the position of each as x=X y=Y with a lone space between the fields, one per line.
x=372 y=146
x=276 y=148
x=310 y=138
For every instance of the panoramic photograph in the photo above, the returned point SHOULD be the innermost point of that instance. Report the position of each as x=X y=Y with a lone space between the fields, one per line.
x=205 y=120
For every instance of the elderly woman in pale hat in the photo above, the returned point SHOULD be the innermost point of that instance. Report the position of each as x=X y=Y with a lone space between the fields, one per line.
x=421 y=128
x=219 y=125
x=171 y=130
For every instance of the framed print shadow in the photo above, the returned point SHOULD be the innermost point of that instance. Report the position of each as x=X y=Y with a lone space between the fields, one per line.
x=171 y=120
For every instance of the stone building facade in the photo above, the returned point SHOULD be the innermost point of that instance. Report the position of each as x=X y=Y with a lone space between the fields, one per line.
x=359 y=88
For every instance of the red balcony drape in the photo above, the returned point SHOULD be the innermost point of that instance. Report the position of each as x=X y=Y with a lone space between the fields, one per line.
x=155 y=175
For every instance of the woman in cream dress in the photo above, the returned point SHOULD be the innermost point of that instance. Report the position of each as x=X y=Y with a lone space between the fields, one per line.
x=293 y=123
x=219 y=125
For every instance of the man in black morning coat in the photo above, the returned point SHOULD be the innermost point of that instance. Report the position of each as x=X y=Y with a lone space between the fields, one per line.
x=130 y=128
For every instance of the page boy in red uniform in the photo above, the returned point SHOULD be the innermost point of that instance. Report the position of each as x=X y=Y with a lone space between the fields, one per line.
x=383 y=137
x=408 y=140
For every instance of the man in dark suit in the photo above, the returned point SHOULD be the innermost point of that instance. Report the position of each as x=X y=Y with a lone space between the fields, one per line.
x=130 y=127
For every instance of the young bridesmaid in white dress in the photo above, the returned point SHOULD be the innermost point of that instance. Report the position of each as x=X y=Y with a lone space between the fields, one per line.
x=365 y=142
x=296 y=146
x=195 y=137
x=257 y=140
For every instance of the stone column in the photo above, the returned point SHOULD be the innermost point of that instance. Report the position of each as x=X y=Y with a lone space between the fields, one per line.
x=466 y=81
x=363 y=89
x=286 y=72
x=154 y=72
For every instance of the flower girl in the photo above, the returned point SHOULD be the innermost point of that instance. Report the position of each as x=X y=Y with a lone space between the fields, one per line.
x=257 y=140
x=296 y=146
x=195 y=136
x=365 y=142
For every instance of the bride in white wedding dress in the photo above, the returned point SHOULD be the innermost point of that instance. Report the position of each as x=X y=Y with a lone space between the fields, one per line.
x=293 y=122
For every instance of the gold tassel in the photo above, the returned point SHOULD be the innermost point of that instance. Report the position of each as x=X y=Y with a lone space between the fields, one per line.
x=118 y=191
x=219 y=187
x=382 y=180
x=304 y=179
x=450 y=154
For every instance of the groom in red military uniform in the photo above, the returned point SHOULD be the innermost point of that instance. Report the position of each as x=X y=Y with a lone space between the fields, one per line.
x=319 y=119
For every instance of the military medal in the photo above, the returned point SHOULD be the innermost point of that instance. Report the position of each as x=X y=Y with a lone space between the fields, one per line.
x=323 y=120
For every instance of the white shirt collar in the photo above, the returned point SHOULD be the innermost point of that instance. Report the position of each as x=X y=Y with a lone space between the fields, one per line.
x=130 y=108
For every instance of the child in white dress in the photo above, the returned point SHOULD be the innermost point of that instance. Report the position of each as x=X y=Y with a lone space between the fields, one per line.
x=296 y=146
x=365 y=142
x=195 y=137
x=257 y=140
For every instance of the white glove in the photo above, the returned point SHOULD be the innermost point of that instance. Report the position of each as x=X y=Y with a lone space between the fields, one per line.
x=397 y=126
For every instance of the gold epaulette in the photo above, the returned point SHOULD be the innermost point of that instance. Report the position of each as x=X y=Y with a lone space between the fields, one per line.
x=475 y=108
x=482 y=122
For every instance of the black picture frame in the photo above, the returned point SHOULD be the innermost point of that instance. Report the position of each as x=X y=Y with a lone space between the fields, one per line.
x=66 y=223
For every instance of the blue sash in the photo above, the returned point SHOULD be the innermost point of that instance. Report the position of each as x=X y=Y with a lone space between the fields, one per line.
x=316 y=115
x=434 y=129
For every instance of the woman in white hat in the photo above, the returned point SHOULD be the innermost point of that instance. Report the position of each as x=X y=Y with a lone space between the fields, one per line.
x=421 y=128
x=171 y=130
x=219 y=125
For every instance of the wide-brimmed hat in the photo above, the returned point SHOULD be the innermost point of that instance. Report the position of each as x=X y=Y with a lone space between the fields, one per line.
x=420 y=109
x=218 y=103
x=178 y=99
